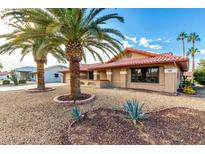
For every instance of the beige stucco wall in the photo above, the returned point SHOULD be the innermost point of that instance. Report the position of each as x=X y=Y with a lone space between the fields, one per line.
x=131 y=56
x=116 y=77
x=168 y=82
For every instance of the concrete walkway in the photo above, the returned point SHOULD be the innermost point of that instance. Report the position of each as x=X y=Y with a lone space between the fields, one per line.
x=27 y=86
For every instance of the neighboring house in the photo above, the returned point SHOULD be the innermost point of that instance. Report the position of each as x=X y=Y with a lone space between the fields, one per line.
x=4 y=75
x=52 y=74
x=26 y=72
x=135 y=69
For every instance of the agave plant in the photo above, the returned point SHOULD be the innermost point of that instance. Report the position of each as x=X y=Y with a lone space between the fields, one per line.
x=76 y=113
x=135 y=111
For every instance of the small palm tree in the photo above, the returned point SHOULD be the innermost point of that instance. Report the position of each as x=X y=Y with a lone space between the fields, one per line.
x=182 y=36
x=78 y=30
x=193 y=37
x=193 y=51
x=20 y=39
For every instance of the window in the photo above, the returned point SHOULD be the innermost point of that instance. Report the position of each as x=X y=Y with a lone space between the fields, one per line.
x=91 y=75
x=56 y=75
x=145 y=74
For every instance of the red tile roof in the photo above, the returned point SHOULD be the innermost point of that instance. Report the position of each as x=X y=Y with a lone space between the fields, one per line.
x=159 y=59
x=152 y=59
x=83 y=67
x=4 y=73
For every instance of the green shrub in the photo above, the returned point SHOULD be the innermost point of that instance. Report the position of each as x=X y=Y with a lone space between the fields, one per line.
x=76 y=113
x=135 y=111
x=6 y=82
x=199 y=76
x=189 y=90
x=185 y=82
x=22 y=81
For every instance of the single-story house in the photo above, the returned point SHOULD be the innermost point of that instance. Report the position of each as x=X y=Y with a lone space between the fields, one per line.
x=4 y=75
x=51 y=74
x=135 y=69
x=26 y=73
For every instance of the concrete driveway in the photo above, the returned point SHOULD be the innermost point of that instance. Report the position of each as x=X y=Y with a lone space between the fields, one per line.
x=27 y=86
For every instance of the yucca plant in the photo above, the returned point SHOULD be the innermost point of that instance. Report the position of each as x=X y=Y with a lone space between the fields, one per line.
x=135 y=110
x=76 y=113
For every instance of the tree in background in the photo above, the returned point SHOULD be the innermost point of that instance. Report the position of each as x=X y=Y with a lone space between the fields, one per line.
x=199 y=74
x=1 y=66
x=79 y=31
x=182 y=36
x=31 y=38
x=193 y=51
x=193 y=37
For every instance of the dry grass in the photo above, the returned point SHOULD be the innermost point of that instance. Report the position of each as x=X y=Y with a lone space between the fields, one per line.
x=27 y=118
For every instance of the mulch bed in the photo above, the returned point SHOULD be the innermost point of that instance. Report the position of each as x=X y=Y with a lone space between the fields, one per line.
x=68 y=98
x=36 y=90
x=169 y=126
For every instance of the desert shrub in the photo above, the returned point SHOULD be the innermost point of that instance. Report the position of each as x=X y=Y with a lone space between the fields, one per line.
x=135 y=110
x=189 y=90
x=76 y=113
x=22 y=81
x=199 y=76
x=6 y=82
x=14 y=79
x=185 y=82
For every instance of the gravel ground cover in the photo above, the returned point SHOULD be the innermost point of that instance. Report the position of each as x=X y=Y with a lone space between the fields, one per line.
x=34 y=118
x=107 y=127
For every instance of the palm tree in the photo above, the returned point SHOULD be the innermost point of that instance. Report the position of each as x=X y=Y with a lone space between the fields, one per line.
x=193 y=37
x=192 y=51
x=78 y=30
x=182 y=36
x=39 y=47
x=1 y=66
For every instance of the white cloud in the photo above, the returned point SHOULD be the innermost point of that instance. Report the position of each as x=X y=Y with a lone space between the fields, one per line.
x=126 y=44
x=133 y=39
x=202 y=52
x=159 y=39
x=167 y=41
x=147 y=43
x=155 y=46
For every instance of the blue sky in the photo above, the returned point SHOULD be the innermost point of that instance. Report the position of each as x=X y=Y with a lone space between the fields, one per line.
x=152 y=30
x=157 y=29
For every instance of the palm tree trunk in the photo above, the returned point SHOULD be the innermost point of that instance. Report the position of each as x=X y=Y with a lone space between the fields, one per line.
x=183 y=47
x=193 y=68
x=75 y=79
x=40 y=75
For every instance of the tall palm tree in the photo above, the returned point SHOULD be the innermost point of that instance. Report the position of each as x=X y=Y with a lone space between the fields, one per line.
x=182 y=36
x=193 y=51
x=78 y=30
x=40 y=47
x=1 y=66
x=193 y=37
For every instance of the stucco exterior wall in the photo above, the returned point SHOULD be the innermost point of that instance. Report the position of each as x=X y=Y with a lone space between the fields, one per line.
x=168 y=82
x=131 y=56
x=50 y=74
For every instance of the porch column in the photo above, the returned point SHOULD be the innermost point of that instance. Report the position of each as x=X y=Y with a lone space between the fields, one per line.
x=96 y=75
x=170 y=79
x=123 y=78
x=109 y=76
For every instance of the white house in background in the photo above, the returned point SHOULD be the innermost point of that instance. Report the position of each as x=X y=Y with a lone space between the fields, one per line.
x=52 y=74
x=26 y=73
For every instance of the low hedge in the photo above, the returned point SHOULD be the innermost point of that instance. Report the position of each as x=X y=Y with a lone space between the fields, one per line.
x=22 y=81
x=6 y=82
